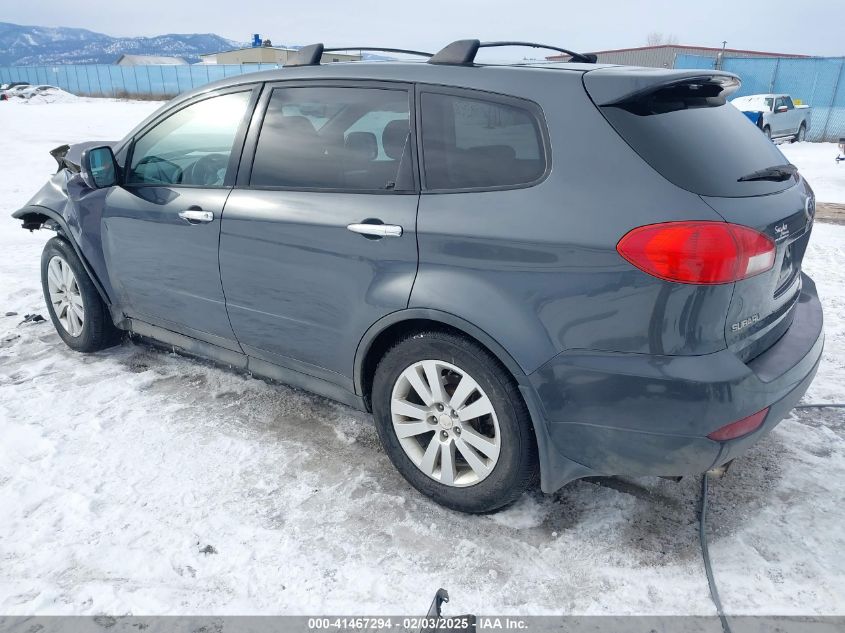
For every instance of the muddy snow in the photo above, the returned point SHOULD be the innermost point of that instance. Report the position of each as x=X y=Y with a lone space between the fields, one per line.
x=134 y=481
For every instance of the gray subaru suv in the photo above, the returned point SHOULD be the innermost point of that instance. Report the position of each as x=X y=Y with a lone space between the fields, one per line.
x=543 y=270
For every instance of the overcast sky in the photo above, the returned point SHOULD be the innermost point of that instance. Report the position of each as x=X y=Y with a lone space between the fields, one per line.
x=815 y=27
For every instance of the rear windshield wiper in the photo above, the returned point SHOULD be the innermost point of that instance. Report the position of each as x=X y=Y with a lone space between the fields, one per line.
x=777 y=173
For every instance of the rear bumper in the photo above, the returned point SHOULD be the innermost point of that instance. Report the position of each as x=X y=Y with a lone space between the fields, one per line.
x=606 y=413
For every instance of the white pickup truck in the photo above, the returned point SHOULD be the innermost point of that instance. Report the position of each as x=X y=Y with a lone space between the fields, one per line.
x=776 y=115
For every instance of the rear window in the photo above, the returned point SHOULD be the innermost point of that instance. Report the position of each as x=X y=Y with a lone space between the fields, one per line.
x=473 y=143
x=702 y=148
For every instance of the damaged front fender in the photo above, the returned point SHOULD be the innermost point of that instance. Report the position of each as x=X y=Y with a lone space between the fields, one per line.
x=67 y=205
x=53 y=196
x=57 y=193
x=35 y=217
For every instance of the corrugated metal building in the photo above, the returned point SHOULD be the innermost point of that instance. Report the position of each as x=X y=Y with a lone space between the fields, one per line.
x=267 y=55
x=663 y=55
x=149 y=60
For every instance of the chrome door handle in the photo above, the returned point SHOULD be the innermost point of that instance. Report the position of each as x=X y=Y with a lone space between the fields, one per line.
x=376 y=230
x=196 y=215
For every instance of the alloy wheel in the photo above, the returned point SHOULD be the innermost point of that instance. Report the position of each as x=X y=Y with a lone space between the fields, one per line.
x=445 y=423
x=65 y=296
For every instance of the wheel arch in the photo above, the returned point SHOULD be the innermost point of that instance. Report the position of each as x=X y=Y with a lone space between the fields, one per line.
x=378 y=338
x=555 y=469
x=34 y=217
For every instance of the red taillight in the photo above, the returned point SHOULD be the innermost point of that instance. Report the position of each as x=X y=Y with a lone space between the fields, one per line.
x=740 y=427
x=698 y=252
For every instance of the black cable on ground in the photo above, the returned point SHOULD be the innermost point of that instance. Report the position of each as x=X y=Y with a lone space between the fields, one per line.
x=702 y=537
x=702 y=532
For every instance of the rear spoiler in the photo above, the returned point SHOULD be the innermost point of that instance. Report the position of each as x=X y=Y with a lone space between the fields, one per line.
x=617 y=85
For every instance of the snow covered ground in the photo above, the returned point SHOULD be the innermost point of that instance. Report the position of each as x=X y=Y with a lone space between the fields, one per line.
x=817 y=161
x=51 y=95
x=136 y=481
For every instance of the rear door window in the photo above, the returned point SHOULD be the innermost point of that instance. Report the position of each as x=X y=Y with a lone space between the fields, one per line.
x=478 y=142
x=335 y=138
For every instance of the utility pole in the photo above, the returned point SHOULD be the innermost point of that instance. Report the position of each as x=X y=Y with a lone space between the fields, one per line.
x=720 y=57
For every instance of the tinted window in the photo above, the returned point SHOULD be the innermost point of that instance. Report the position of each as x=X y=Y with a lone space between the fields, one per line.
x=335 y=138
x=702 y=149
x=471 y=143
x=192 y=146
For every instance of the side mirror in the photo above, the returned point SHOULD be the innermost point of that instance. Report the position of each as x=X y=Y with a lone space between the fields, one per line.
x=99 y=168
x=781 y=109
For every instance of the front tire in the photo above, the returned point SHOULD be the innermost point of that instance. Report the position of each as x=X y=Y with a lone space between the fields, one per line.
x=453 y=422
x=768 y=132
x=77 y=311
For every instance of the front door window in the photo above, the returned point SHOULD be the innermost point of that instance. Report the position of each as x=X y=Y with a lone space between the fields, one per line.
x=191 y=147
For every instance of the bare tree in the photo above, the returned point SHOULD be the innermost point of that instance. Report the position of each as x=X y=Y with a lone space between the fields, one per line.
x=656 y=38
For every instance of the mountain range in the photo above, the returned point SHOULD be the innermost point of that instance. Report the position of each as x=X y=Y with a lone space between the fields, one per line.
x=40 y=46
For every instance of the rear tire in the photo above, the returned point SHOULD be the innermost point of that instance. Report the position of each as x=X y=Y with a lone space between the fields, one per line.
x=77 y=311
x=802 y=134
x=768 y=132
x=490 y=458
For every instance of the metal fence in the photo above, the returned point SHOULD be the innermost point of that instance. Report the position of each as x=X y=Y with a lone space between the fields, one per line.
x=107 y=80
x=815 y=81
